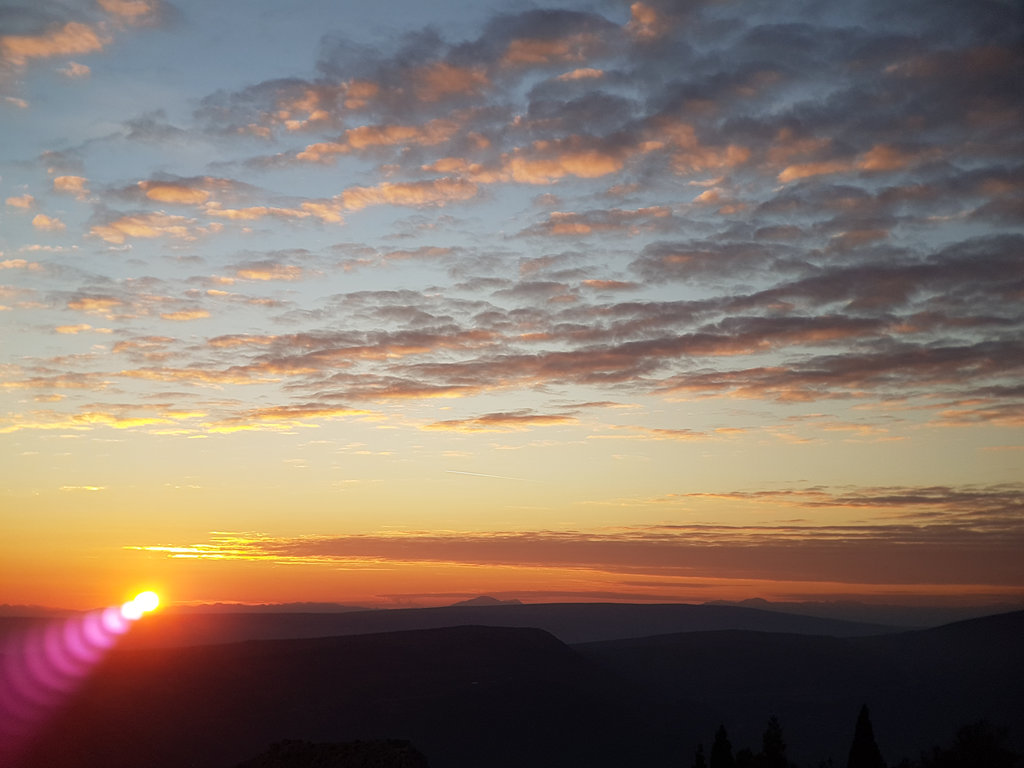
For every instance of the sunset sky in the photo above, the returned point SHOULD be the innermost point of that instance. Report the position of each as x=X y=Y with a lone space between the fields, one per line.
x=399 y=303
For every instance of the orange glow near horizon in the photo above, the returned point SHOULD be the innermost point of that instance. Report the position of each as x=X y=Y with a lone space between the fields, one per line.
x=571 y=302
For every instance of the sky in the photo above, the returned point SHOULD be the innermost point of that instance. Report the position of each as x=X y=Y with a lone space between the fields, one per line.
x=398 y=303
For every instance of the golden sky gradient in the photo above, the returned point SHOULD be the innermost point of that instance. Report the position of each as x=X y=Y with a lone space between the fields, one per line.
x=404 y=304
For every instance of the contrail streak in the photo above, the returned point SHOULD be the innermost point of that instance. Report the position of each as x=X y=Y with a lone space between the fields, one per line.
x=481 y=474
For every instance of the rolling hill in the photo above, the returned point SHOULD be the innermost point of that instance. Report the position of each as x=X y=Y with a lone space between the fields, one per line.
x=506 y=697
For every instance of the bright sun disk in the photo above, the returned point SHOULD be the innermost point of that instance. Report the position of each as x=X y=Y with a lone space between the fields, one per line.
x=144 y=602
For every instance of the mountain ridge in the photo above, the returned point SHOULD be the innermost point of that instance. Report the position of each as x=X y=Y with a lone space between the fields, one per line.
x=570 y=622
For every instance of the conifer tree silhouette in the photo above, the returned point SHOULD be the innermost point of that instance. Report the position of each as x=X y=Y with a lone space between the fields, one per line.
x=721 y=750
x=864 y=752
x=698 y=758
x=773 y=747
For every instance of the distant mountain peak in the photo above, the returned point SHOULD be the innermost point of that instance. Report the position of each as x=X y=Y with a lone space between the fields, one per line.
x=486 y=600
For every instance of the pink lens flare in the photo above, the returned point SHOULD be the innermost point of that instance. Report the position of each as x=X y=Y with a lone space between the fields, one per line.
x=115 y=621
x=44 y=664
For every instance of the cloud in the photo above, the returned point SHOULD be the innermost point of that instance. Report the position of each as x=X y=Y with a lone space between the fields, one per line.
x=584 y=73
x=24 y=202
x=807 y=208
x=329 y=212
x=284 y=417
x=689 y=154
x=367 y=137
x=645 y=22
x=73 y=329
x=69 y=39
x=512 y=421
x=133 y=11
x=940 y=553
x=146 y=348
x=631 y=222
x=542 y=38
x=75 y=70
x=48 y=223
x=72 y=185
x=376 y=258
x=269 y=270
x=895 y=368
x=541 y=52
x=152 y=225
x=440 y=80
x=174 y=192
x=547 y=161
x=185 y=315
x=101 y=305
x=434 y=192
x=86 y=420
x=650 y=433
x=610 y=285
x=672 y=260
x=31 y=266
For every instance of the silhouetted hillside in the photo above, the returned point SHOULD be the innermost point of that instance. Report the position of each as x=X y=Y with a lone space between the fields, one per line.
x=509 y=697
x=921 y=685
x=465 y=697
x=903 y=616
x=351 y=754
x=569 y=622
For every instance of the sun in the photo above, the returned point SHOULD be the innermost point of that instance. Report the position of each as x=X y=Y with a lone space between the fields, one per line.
x=144 y=602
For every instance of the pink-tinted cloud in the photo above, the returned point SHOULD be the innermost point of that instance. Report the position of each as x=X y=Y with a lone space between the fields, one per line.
x=174 y=192
x=72 y=185
x=583 y=73
x=132 y=11
x=152 y=225
x=367 y=137
x=23 y=202
x=645 y=22
x=544 y=162
x=270 y=270
x=70 y=39
x=48 y=223
x=434 y=192
x=533 y=52
x=440 y=80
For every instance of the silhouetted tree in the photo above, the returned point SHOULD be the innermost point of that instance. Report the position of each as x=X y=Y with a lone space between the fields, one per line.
x=864 y=752
x=698 y=758
x=773 y=747
x=745 y=759
x=721 y=750
x=978 y=745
